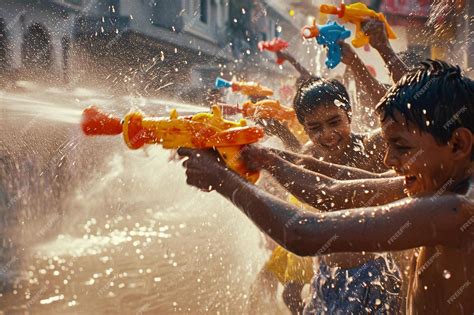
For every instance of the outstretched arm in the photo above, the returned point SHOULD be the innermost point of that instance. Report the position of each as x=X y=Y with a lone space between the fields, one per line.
x=336 y=171
x=326 y=193
x=397 y=226
x=302 y=70
x=273 y=127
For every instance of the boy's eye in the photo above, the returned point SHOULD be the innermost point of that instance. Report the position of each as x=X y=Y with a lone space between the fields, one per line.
x=402 y=149
x=315 y=129
x=334 y=123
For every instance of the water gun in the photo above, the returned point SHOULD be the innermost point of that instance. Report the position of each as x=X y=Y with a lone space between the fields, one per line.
x=251 y=89
x=272 y=109
x=267 y=109
x=274 y=45
x=202 y=130
x=357 y=13
x=328 y=35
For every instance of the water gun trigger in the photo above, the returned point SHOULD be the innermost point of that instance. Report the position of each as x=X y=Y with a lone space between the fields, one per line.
x=231 y=157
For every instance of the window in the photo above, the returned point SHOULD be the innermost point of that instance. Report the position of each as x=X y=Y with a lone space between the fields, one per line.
x=203 y=11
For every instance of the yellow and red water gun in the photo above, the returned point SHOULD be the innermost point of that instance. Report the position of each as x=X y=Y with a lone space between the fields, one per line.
x=251 y=89
x=357 y=13
x=200 y=131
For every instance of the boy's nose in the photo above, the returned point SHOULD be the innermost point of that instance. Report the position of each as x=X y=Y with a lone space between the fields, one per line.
x=390 y=160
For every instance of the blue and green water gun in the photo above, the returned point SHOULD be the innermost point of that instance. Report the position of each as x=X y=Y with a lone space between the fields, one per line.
x=328 y=35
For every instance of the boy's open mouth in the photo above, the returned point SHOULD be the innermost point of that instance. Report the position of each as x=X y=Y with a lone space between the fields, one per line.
x=409 y=180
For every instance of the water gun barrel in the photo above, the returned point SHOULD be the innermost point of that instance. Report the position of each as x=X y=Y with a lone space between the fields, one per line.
x=221 y=83
x=268 y=109
x=96 y=122
x=310 y=31
x=332 y=9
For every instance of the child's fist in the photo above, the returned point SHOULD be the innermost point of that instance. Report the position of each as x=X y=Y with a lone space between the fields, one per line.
x=375 y=29
x=256 y=157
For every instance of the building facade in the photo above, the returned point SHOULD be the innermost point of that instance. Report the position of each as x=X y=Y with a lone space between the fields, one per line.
x=171 y=47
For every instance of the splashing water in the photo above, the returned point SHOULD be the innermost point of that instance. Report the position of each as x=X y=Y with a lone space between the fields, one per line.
x=98 y=228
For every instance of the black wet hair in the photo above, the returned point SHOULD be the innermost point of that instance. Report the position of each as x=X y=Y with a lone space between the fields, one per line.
x=317 y=92
x=435 y=96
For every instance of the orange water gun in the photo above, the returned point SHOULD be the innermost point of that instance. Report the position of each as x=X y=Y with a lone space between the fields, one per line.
x=251 y=89
x=200 y=131
x=272 y=109
x=357 y=13
x=267 y=109
x=274 y=45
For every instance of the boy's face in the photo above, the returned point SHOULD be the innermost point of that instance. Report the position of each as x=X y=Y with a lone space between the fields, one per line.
x=426 y=164
x=329 y=128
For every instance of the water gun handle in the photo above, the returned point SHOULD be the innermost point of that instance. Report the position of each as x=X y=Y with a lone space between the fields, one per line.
x=334 y=55
x=231 y=157
x=280 y=60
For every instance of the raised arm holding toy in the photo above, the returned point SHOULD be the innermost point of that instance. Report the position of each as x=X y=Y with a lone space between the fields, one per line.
x=376 y=30
x=364 y=79
x=357 y=13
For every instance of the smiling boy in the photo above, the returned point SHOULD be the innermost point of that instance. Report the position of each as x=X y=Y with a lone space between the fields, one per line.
x=428 y=123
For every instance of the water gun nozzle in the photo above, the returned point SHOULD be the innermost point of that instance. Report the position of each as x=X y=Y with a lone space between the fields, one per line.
x=96 y=122
x=221 y=83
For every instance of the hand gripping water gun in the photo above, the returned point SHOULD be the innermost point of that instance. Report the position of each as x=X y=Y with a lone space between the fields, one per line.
x=252 y=89
x=274 y=45
x=357 y=13
x=328 y=35
x=202 y=130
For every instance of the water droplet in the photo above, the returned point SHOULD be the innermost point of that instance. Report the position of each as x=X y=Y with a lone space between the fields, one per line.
x=446 y=274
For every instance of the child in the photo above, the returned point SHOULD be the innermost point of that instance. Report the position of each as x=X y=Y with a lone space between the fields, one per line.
x=428 y=123
x=324 y=109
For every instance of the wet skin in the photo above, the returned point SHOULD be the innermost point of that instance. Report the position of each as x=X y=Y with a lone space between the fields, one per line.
x=329 y=129
x=442 y=282
x=441 y=224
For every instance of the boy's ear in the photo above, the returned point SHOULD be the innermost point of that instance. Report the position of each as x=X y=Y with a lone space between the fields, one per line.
x=462 y=143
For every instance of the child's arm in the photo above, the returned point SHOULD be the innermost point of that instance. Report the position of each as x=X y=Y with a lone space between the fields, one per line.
x=326 y=193
x=397 y=226
x=273 y=127
x=336 y=171
x=302 y=70
x=364 y=80
x=378 y=39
